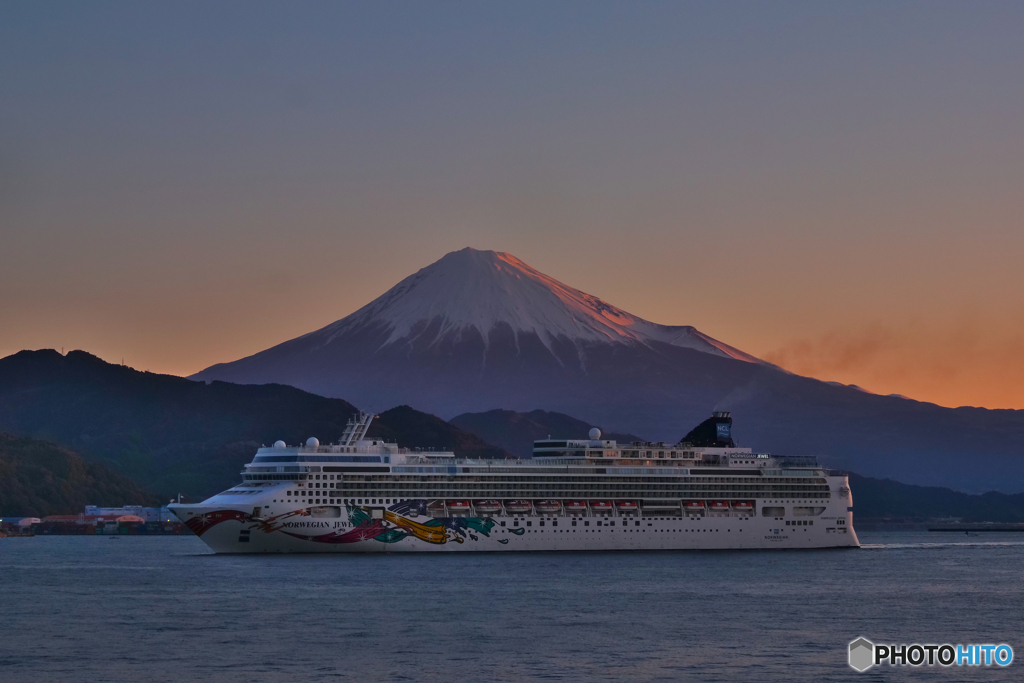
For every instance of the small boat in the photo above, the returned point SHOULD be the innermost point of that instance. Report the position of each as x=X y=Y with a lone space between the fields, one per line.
x=693 y=505
x=518 y=506
x=457 y=505
x=548 y=506
x=601 y=506
x=435 y=506
x=742 y=506
x=626 y=506
x=576 y=506
x=488 y=506
x=719 y=506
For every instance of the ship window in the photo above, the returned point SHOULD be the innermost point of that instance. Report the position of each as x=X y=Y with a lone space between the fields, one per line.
x=586 y=523
x=638 y=523
x=503 y=523
x=574 y=522
x=529 y=524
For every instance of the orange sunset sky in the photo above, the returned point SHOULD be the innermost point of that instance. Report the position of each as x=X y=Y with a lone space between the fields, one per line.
x=837 y=189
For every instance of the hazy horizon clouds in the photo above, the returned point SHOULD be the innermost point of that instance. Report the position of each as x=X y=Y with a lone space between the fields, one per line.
x=835 y=188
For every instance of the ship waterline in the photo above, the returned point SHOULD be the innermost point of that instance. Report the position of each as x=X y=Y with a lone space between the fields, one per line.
x=367 y=495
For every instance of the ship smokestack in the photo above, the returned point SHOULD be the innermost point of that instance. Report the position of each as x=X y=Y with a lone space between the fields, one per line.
x=714 y=432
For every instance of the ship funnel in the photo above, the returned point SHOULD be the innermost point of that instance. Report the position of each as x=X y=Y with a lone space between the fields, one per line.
x=714 y=432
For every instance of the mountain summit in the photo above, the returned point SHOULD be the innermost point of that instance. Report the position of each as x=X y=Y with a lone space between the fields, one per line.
x=478 y=330
x=481 y=330
x=477 y=293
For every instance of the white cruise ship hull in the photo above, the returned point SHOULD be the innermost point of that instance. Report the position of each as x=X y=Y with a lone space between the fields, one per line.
x=233 y=529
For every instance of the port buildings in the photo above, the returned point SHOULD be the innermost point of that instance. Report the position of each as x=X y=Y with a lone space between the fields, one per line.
x=129 y=519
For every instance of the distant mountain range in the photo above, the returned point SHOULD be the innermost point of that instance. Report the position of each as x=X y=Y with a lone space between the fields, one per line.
x=878 y=500
x=176 y=435
x=38 y=478
x=481 y=330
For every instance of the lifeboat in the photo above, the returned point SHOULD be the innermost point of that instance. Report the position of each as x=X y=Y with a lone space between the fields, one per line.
x=435 y=506
x=547 y=506
x=693 y=505
x=457 y=505
x=742 y=506
x=626 y=506
x=576 y=506
x=601 y=506
x=719 y=506
x=518 y=505
x=487 y=506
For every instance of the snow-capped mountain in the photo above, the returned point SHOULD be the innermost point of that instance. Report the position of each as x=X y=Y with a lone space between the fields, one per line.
x=481 y=330
x=476 y=292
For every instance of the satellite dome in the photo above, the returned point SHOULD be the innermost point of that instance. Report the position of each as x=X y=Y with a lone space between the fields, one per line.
x=595 y=433
x=312 y=442
x=279 y=444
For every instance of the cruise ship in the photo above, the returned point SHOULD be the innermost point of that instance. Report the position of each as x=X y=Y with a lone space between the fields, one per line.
x=367 y=495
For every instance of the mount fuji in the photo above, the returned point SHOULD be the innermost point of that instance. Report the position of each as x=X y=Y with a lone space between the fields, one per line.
x=480 y=330
x=488 y=295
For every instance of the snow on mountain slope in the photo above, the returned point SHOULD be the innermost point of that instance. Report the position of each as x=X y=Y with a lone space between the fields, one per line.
x=481 y=329
x=484 y=289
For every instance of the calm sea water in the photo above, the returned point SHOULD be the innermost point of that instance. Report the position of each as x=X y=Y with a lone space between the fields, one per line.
x=164 y=609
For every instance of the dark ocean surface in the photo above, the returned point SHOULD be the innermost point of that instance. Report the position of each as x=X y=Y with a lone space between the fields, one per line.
x=165 y=609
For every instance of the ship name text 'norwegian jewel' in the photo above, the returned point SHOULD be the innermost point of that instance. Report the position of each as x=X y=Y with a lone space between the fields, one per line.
x=366 y=495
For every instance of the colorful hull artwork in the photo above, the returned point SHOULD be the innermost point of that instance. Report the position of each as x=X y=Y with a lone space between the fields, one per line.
x=392 y=528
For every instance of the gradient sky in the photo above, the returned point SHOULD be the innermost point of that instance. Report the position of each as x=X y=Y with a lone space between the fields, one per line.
x=836 y=187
